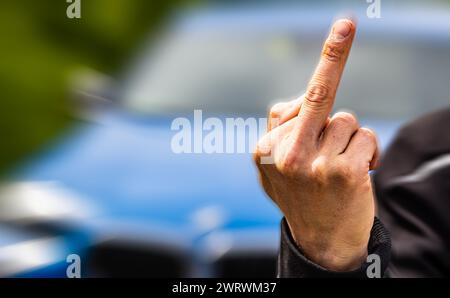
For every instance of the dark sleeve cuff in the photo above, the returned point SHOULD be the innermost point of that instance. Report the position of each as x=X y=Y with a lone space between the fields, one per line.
x=293 y=264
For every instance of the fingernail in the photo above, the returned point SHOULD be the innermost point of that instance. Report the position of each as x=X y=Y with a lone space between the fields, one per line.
x=341 y=29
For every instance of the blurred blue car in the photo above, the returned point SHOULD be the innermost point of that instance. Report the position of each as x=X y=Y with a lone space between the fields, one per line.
x=143 y=210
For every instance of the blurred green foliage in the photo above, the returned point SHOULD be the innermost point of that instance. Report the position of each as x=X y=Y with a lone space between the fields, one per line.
x=40 y=47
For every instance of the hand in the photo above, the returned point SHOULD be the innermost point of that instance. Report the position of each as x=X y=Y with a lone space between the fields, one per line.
x=319 y=175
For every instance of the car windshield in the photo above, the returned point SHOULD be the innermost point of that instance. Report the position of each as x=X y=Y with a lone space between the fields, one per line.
x=245 y=72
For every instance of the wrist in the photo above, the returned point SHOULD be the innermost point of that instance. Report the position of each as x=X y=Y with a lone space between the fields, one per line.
x=336 y=259
x=331 y=253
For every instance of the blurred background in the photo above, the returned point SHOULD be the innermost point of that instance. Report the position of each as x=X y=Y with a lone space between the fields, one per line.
x=87 y=104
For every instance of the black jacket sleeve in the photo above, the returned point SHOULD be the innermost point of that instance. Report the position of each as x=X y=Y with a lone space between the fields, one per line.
x=413 y=197
x=293 y=264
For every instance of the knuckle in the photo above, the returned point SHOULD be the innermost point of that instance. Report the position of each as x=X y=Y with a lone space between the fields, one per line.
x=333 y=51
x=317 y=94
x=292 y=165
x=288 y=165
x=263 y=148
x=368 y=135
x=345 y=119
x=341 y=173
x=276 y=110
x=320 y=168
x=333 y=172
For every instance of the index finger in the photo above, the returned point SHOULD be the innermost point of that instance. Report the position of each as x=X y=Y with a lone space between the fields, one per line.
x=321 y=91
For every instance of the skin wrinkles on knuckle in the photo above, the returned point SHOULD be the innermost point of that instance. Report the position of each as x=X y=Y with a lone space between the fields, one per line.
x=317 y=95
x=333 y=50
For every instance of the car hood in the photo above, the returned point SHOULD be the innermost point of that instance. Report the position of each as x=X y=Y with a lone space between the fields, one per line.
x=126 y=169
